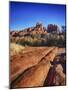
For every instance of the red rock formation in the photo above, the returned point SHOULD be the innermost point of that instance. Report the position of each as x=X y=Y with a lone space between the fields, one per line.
x=38 y=29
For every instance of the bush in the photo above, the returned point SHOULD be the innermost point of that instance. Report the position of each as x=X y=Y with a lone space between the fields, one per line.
x=44 y=40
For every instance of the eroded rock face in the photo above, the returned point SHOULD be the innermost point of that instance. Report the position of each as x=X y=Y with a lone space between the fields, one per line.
x=57 y=72
x=60 y=76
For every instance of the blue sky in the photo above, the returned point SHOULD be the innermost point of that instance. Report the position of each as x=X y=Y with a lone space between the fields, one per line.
x=23 y=15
